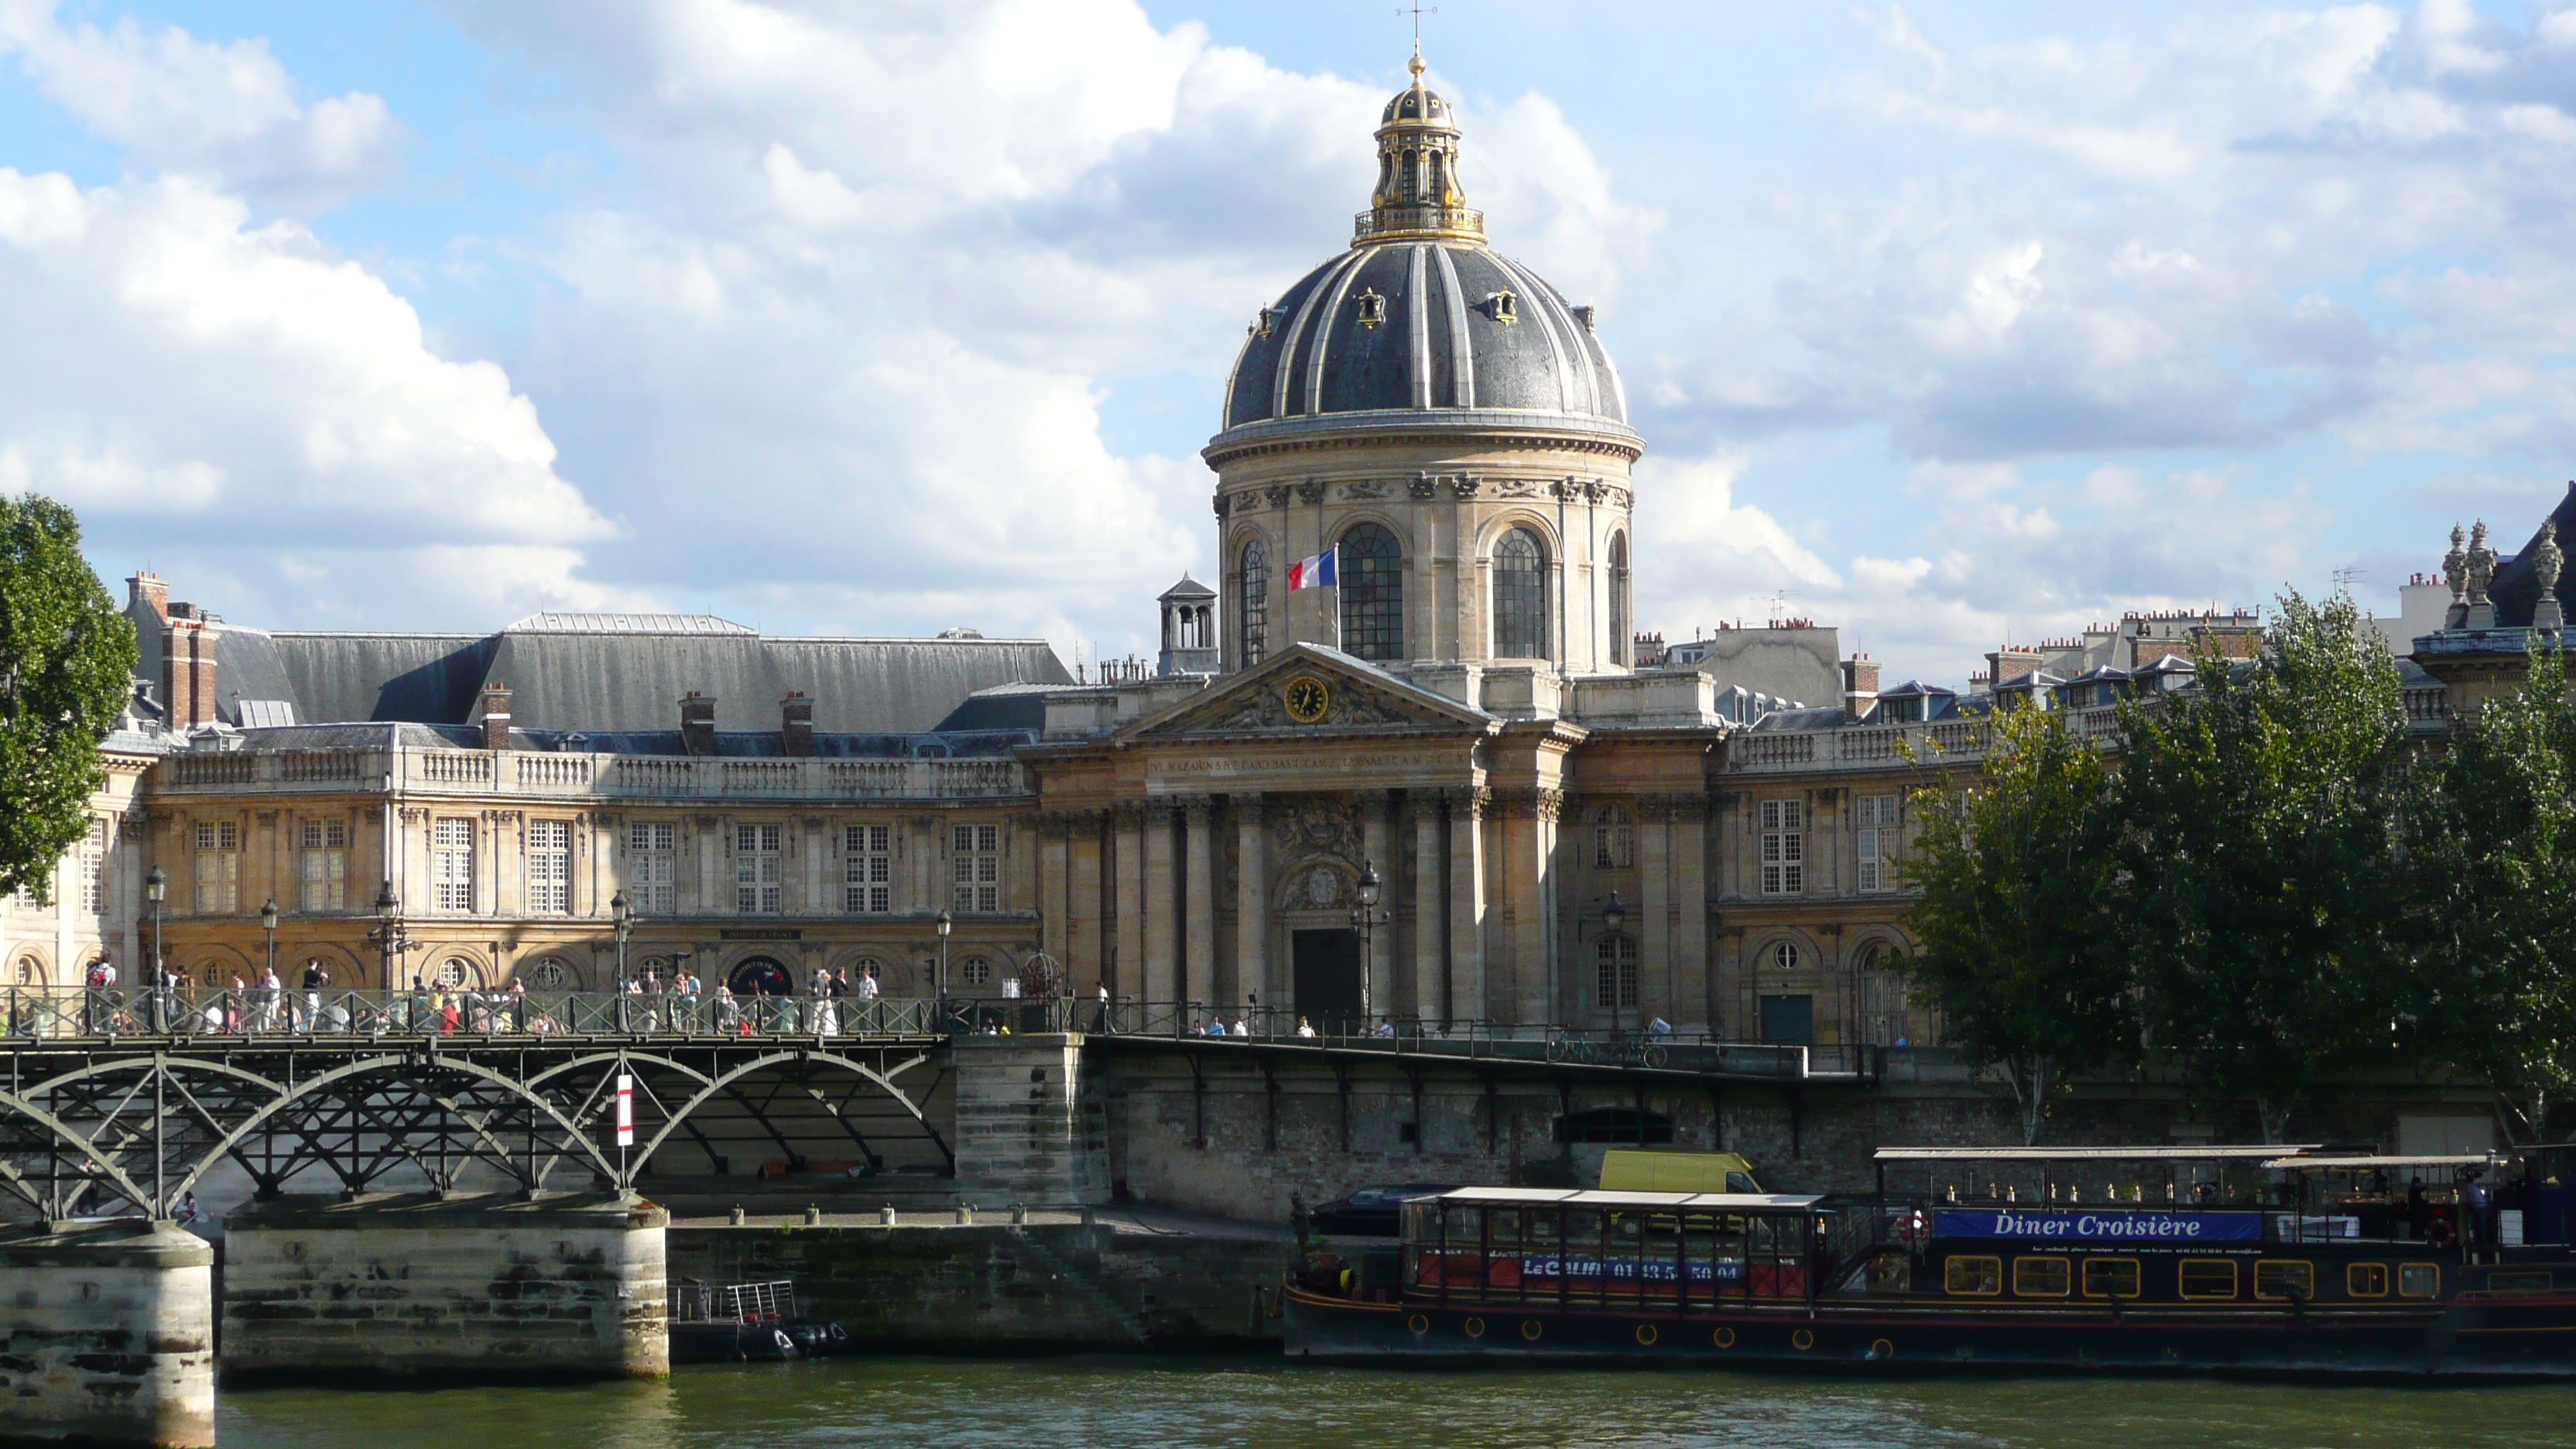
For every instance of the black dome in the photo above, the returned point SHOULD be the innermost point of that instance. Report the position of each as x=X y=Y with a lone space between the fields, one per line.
x=1422 y=325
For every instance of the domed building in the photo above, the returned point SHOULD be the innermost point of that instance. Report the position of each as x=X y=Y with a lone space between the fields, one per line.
x=1445 y=420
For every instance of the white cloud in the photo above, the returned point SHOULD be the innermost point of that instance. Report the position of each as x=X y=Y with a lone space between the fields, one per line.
x=226 y=112
x=211 y=391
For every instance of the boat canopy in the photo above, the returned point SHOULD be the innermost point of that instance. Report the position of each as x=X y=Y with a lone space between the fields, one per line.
x=2365 y=1162
x=2165 y=1153
x=1531 y=1197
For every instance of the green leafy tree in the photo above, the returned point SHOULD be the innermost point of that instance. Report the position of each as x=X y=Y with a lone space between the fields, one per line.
x=65 y=657
x=2265 y=899
x=2494 y=843
x=2013 y=944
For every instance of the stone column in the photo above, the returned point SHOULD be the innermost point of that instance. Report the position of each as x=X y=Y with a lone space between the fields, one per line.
x=1023 y=1134
x=1695 y=979
x=1130 y=865
x=1162 y=978
x=1377 y=848
x=1654 y=909
x=1426 y=1001
x=1466 y=905
x=1053 y=936
x=107 y=1334
x=1251 y=901
x=1197 y=975
x=1087 y=954
x=1537 y=985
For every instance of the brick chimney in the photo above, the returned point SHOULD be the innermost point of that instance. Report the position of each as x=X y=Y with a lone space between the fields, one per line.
x=796 y=723
x=698 y=724
x=188 y=673
x=147 y=589
x=493 y=714
x=1860 y=687
x=2011 y=662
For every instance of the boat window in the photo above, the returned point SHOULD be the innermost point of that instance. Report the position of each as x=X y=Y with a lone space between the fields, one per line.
x=1981 y=1276
x=1503 y=1228
x=2419 y=1280
x=2366 y=1280
x=2280 y=1278
x=2110 y=1277
x=2518 y=1282
x=2208 y=1278
x=2040 y=1277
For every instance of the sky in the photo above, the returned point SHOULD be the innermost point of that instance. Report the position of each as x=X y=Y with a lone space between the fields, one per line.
x=1947 y=324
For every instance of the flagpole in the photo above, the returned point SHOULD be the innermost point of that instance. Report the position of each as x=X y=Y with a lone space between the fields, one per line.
x=1335 y=554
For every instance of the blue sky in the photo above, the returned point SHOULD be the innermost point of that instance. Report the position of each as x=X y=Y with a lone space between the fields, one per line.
x=1954 y=322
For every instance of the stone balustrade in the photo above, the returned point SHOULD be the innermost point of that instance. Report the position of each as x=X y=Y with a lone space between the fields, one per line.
x=521 y=772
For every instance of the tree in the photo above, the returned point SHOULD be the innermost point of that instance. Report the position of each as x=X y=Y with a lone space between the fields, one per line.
x=2013 y=946
x=66 y=655
x=2265 y=900
x=2494 y=843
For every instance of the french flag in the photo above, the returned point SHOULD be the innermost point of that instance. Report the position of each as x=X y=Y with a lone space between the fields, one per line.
x=1318 y=572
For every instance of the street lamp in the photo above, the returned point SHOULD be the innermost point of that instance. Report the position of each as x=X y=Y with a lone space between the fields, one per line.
x=621 y=916
x=156 y=889
x=1365 y=919
x=268 y=923
x=1614 y=917
x=388 y=935
x=947 y=923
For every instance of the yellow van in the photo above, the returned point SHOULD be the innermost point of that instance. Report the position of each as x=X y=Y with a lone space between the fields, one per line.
x=1630 y=1169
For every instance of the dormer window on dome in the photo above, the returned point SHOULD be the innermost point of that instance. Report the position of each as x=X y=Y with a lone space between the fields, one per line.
x=1264 y=324
x=1372 y=308
x=1503 y=307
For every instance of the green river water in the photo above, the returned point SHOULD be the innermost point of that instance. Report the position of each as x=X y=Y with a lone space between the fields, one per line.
x=1181 y=1403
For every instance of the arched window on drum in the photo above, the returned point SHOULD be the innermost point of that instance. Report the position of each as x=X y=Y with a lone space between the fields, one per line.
x=1371 y=571
x=1520 y=597
x=1620 y=641
x=1252 y=603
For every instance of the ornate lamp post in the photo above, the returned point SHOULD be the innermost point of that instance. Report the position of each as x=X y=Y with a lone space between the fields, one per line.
x=1364 y=920
x=939 y=985
x=1614 y=919
x=156 y=889
x=268 y=923
x=388 y=937
x=621 y=924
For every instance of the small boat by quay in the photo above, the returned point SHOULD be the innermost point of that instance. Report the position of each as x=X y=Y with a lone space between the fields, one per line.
x=745 y=1323
x=2265 y=1259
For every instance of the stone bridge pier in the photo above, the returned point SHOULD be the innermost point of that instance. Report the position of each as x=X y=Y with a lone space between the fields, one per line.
x=106 y=1334
x=480 y=1287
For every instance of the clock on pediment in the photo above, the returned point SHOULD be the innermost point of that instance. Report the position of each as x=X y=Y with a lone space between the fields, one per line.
x=1307 y=698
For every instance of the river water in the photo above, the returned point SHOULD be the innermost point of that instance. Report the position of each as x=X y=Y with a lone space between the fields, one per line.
x=1183 y=1403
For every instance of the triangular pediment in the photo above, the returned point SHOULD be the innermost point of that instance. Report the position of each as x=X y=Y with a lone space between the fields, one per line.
x=1279 y=697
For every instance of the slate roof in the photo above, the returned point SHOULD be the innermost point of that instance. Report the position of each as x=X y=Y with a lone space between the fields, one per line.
x=621 y=680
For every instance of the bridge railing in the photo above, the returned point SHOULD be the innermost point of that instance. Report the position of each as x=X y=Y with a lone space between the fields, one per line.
x=36 y=1013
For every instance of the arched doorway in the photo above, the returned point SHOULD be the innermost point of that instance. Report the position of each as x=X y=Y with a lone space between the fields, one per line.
x=761 y=976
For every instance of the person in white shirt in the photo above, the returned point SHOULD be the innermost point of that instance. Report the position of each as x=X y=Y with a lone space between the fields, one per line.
x=1305 y=1027
x=866 y=985
x=1242 y=1027
x=270 y=992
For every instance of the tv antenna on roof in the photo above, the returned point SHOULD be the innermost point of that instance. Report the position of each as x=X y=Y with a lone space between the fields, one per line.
x=2347 y=576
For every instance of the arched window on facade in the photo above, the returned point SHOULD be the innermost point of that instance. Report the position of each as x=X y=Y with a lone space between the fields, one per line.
x=1615 y=967
x=1252 y=602
x=1520 y=597
x=1371 y=570
x=1619 y=634
x=1614 y=839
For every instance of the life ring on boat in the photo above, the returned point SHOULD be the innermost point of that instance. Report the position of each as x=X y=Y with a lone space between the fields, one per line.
x=1475 y=1328
x=1802 y=1340
x=2441 y=1234
x=1530 y=1329
x=1417 y=1325
x=1723 y=1338
x=1646 y=1335
x=1881 y=1349
x=1914 y=1230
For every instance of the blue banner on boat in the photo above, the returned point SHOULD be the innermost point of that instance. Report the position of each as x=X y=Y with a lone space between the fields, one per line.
x=2115 y=1226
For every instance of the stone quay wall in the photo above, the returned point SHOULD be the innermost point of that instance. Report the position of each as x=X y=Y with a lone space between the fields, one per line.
x=483 y=1288
x=106 y=1334
x=995 y=1287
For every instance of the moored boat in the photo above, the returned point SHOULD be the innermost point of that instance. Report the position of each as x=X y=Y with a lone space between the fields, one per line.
x=2282 y=1259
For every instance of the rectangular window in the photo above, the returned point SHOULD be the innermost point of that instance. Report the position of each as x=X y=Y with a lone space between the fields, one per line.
x=218 y=867
x=451 y=864
x=651 y=867
x=756 y=870
x=323 y=863
x=93 y=866
x=2419 y=1280
x=2208 y=1278
x=550 y=865
x=2110 y=1277
x=976 y=869
x=868 y=869
x=1784 y=847
x=2533 y=1282
x=1983 y=1277
x=2281 y=1280
x=2040 y=1277
x=1875 y=818
x=2366 y=1280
